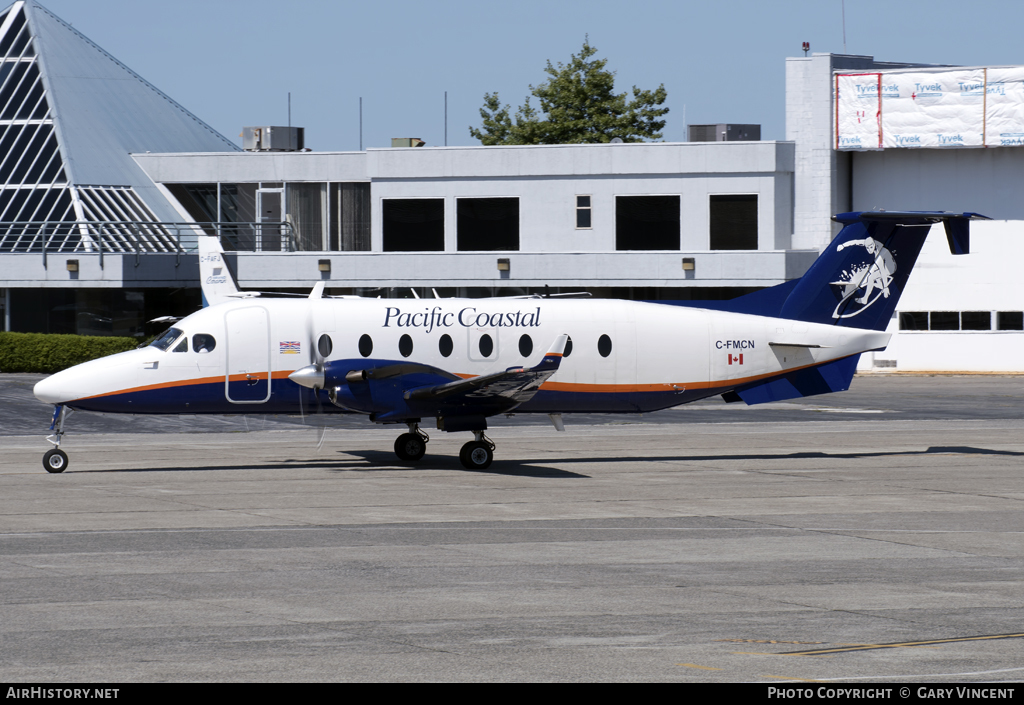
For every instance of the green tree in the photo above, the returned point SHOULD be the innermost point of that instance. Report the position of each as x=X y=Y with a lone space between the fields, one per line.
x=578 y=105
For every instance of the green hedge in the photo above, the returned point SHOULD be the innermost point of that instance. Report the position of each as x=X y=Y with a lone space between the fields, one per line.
x=40 y=352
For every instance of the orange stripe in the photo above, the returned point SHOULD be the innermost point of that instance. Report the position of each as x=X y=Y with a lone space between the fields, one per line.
x=280 y=374
x=549 y=386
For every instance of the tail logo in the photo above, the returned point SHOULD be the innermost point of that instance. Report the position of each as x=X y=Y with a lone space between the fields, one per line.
x=864 y=282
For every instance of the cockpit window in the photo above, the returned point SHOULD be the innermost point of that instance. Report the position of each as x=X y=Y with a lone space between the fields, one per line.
x=203 y=343
x=166 y=339
x=182 y=346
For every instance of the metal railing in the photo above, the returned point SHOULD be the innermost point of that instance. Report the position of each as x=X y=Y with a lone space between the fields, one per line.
x=140 y=237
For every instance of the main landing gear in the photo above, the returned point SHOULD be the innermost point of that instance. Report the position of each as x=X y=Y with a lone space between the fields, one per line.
x=475 y=455
x=412 y=445
x=55 y=460
x=478 y=453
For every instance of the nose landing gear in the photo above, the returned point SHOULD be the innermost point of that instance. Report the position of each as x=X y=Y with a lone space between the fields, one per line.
x=55 y=460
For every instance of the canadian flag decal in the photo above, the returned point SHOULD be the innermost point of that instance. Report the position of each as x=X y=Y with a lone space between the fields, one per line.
x=738 y=359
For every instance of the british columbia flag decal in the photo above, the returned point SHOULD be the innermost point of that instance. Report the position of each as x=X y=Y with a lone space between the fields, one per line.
x=290 y=347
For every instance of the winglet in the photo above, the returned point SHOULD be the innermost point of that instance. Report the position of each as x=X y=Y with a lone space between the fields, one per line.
x=318 y=291
x=553 y=357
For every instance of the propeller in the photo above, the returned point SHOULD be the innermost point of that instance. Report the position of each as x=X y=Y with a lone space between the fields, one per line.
x=312 y=376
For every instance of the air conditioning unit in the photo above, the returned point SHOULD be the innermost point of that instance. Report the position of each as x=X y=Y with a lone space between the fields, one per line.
x=273 y=139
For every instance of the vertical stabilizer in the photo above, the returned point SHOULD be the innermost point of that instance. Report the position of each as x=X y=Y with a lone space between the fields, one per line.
x=857 y=281
x=216 y=279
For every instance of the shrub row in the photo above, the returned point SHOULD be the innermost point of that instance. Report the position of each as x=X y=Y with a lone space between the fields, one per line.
x=40 y=352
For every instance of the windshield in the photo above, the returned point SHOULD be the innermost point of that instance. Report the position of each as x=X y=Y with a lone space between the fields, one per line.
x=166 y=338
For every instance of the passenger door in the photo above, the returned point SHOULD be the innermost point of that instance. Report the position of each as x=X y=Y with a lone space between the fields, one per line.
x=247 y=378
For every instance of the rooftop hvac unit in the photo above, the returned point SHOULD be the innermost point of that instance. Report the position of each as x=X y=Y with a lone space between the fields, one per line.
x=724 y=133
x=273 y=139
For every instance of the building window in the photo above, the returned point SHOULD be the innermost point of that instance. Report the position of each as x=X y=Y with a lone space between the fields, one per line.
x=583 y=217
x=976 y=320
x=413 y=224
x=349 y=208
x=488 y=224
x=960 y=320
x=733 y=220
x=913 y=320
x=944 y=320
x=647 y=222
x=306 y=210
x=1010 y=320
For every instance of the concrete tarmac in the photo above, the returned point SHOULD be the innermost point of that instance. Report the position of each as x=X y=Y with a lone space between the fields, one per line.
x=874 y=535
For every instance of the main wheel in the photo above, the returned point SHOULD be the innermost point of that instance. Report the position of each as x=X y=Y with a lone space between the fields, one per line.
x=410 y=446
x=476 y=455
x=55 y=460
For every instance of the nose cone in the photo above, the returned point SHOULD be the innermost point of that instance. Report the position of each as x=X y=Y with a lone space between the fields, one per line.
x=51 y=390
x=96 y=377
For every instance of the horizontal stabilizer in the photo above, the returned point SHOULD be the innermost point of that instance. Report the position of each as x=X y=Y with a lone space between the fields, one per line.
x=831 y=377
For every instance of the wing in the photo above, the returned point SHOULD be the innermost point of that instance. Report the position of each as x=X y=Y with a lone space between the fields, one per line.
x=516 y=384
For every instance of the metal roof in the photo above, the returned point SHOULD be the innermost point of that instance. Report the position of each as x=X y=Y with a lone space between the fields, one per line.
x=102 y=111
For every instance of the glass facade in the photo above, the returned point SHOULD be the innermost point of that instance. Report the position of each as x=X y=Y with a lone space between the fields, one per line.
x=33 y=186
x=122 y=312
x=323 y=216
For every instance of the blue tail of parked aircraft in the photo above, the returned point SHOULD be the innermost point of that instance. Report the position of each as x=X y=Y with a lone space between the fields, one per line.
x=857 y=281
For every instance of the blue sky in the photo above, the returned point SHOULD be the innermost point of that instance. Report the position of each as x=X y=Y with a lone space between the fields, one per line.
x=232 y=63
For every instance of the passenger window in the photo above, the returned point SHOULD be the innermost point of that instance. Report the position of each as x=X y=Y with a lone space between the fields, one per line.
x=365 y=345
x=486 y=345
x=182 y=346
x=405 y=345
x=203 y=343
x=525 y=345
x=604 y=346
x=325 y=345
x=445 y=345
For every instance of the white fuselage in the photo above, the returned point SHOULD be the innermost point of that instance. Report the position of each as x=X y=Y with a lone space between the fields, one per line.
x=624 y=356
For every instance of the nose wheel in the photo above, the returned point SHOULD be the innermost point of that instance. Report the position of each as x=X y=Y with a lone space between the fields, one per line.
x=55 y=460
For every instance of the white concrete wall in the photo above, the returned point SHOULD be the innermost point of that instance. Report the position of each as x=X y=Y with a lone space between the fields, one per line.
x=565 y=269
x=988 y=279
x=981 y=180
x=546 y=179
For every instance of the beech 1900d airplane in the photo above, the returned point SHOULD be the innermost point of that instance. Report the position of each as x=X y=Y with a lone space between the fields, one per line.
x=460 y=361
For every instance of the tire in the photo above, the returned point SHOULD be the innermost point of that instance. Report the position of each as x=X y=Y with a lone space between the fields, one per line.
x=409 y=446
x=476 y=455
x=55 y=461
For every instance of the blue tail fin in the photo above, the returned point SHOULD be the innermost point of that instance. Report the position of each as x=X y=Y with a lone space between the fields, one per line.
x=857 y=281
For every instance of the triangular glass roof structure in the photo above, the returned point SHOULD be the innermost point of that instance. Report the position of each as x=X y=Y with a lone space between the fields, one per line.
x=70 y=117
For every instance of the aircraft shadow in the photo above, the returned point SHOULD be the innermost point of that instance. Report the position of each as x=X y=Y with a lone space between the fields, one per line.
x=378 y=460
x=933 y=450
x=371 y=461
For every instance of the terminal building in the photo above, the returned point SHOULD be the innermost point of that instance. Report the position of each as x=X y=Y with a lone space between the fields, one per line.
x=105 y=183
